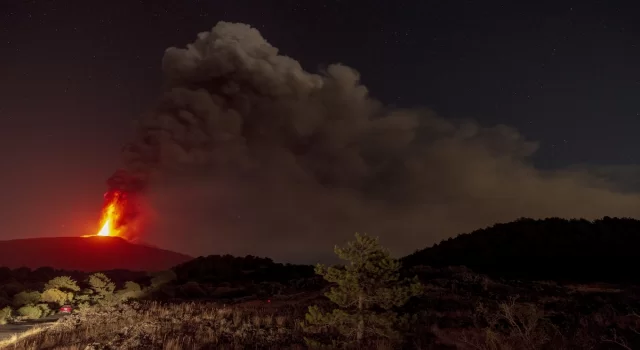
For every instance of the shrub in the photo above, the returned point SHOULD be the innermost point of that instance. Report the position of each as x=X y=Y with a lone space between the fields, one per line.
x=55 y=296
x=132 y=287
x=131 y=290
x=30 y=312
x=46 y=311
x=5 y=315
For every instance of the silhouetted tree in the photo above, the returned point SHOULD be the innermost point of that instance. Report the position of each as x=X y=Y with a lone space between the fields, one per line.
x=366 y=290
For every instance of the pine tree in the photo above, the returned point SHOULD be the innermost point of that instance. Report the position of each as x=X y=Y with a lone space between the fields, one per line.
x=366 y=290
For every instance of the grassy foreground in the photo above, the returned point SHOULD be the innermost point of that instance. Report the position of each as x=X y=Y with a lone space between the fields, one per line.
x=459 y=310
x=151 y=325
x=367 y=306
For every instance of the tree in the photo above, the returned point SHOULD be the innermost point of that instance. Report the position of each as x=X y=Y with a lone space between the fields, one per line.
x=63 y=283
x=56 y=296
x=26 y=298
x=366 y=290
x=101 y=286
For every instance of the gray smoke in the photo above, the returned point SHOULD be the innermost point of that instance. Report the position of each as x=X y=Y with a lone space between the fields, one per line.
x=249 y=154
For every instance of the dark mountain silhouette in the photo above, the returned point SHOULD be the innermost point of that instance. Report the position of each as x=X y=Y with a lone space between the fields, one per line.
x=86 y=254
x=556 y=249
x=228 y=268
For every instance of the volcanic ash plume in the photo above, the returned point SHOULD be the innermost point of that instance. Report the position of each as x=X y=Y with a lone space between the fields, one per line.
x=247 y=153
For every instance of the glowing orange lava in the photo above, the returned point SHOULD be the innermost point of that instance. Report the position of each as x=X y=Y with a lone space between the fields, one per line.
x=111 y=215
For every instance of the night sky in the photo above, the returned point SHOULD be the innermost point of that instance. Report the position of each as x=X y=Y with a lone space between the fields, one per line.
x=74 y=75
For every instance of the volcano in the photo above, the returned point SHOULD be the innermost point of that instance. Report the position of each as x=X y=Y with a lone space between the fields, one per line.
x=88 y=254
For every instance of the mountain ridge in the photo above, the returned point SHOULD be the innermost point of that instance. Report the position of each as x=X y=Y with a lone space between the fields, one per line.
x=553 y=248
x=87 y=254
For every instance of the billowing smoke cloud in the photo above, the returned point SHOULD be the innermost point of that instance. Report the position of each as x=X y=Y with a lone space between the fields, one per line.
x=247 y=153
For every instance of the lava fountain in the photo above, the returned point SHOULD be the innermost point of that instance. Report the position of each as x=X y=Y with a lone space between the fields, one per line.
x=113 y=213
x=110 y=214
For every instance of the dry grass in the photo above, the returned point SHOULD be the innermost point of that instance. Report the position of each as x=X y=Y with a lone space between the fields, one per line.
x=15 y=339
x=172 y=326
x=457 y=311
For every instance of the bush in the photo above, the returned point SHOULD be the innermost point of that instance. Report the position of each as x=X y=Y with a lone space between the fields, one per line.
x=55 y=296
x=46 y=311
x=30 y=312
x=131 y=290
x=5 y=315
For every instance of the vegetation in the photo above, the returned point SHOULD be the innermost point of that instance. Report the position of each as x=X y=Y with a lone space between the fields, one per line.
x=240 y=270
x=56 y=296
x=370 y=302
x=131 y=290
x=550 y=249
x=152 y=325
x=62 y=283
x=30 y=311
x=366 y=291
x=62 y=290
x=26 y=298
x=5 y=315
x=458 y=309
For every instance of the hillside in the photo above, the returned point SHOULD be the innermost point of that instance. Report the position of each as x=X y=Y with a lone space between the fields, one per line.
x=228 y=268
x=574 y=250
x=86 y=254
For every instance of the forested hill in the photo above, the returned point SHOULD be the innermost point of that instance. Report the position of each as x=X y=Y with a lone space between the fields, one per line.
x=231 y=269
x=606 y=250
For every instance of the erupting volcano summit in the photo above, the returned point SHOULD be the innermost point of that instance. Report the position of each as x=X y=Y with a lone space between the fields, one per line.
x=120 y=215
x=115 y=203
